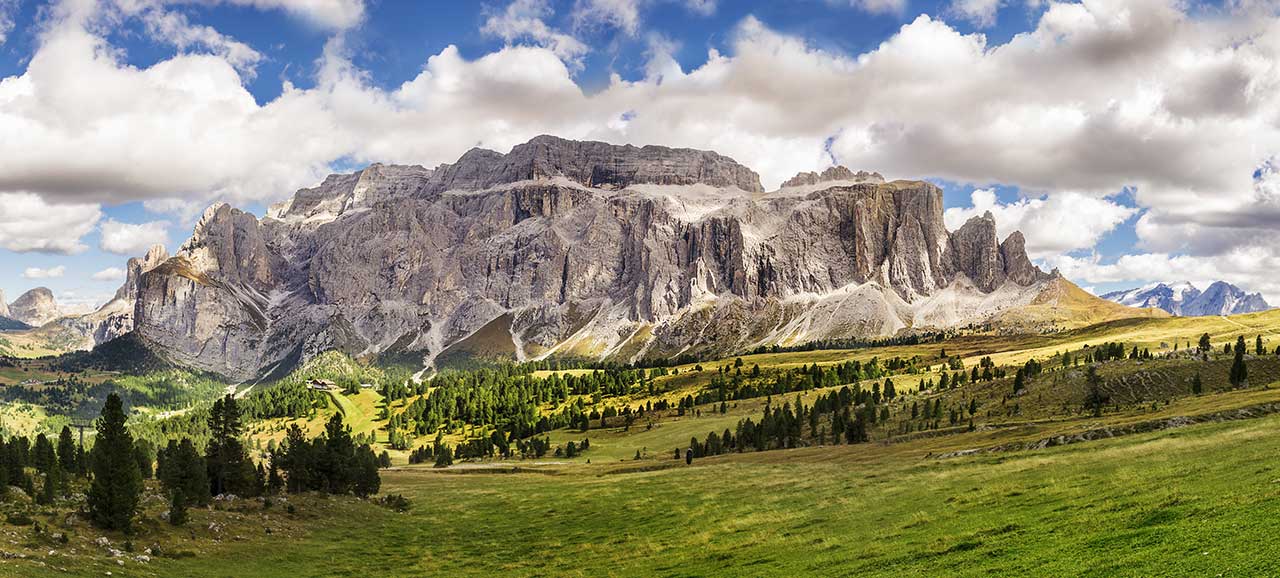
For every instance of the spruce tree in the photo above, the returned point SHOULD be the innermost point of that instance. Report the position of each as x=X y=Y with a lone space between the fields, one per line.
x=1239 y=372
x=67 y=451
x=230 y=470
x=117 y=483
x=1204 y=343
x=1197 y=386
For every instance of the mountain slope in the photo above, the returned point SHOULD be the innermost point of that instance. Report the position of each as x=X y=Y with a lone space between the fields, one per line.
x=574 y=249
x=35 y=307
x=1220 y=298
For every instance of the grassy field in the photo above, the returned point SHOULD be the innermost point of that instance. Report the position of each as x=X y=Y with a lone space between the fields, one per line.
x=1142 y=498
x=1195 y=501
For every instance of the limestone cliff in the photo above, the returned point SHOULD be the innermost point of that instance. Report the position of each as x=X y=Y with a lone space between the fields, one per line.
x=573 y=249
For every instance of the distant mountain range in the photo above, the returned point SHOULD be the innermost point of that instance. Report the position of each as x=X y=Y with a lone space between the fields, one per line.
x=1184 y=299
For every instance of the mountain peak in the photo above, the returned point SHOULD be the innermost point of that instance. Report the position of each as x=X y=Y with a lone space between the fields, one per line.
x=834 y=174
x=1183 y=298
x=35 y=307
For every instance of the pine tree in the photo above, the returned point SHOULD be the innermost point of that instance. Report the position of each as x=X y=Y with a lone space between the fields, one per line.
x=184 y=474
x=1204 y=343
x=117 y=483
x=367 y=482
x=1197 y=386
x=230 y=470
x=1258 y=347
x=1239 y=372
x=67 y=451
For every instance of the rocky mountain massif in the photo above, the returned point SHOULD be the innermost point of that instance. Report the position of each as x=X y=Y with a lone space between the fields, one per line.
x=580 y=249
x=1184 y=299
x=35 y=307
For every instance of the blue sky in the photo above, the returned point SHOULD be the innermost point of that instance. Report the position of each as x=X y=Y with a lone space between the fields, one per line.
x=1078 y=165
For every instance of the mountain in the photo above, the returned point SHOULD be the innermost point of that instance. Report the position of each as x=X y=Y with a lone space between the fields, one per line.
x=4 y=306
x=35 y=307
x=573 y=249
x=1221 y=298
x=113 y=319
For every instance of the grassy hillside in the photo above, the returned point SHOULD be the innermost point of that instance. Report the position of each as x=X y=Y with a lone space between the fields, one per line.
x=1162 y=480
x=1194 y=501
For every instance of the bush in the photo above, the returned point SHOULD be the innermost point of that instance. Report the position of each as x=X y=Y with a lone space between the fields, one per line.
x=396 y=502
x=19 y=519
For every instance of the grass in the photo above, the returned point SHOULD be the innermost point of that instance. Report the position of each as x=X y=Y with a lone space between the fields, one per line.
x=1195 y=501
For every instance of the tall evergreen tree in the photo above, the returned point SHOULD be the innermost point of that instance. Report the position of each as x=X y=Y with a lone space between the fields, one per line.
x=117 y=483
x=230 y=470
x=1239 y=374
x=185 y=475
x=67 y=451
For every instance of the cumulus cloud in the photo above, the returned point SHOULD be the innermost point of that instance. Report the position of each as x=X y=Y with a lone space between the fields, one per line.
x=525 y=20
x=1097 y=97
x=1248 y=268
x=1052 y=225
x=880 y=6
x=133 y=239
x=174 y=28
x=49 y=273
x=621 y=14
x=8 y=9
x=980 y=13
x=332 y=14
x=109 y=274
x=29 y=224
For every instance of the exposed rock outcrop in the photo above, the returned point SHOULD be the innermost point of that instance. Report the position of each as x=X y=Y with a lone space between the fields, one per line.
x=832 y=174
x=573 y=249
x=35 y=307
x=1221 y=298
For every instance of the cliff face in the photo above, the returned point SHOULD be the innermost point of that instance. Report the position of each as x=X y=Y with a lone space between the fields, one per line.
x=35 y=307
x=576 y=249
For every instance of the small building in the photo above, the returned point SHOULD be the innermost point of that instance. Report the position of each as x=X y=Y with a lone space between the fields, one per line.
x=322 y=385
x=366 y=385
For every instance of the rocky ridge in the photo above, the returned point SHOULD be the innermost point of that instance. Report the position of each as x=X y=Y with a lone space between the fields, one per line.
x=35 y=307
x=1184 y=299
x=572 y=249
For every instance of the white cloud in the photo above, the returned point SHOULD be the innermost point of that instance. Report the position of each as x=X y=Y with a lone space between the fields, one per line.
x=29 y=224
x=1053 y=225
x=880 y=6
x=71 y=302
x=703 y=7
x=333 y=14
x=981 y=13
x=38 y=273
x=109 y=274
x=1249 y=268
x=526 y=20
x=623 y=15
x=1099 y=97
x=174 y=28
x=133 y=239
x=8 y=11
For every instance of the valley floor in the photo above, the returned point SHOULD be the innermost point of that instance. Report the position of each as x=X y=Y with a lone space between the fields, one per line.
x=1194 y=501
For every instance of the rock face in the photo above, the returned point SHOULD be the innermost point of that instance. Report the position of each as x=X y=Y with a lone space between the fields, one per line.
x=35 y=307
x=113 y=319
x=1221 y=298
x=4 y=306
x=576 y=249
x=833 y=174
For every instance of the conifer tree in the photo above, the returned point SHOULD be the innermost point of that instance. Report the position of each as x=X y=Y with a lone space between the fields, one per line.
x=117 y=483
x=67 y=451
x=1239 y=372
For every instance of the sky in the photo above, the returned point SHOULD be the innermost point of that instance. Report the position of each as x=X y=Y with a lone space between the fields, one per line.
x=1131 y=141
